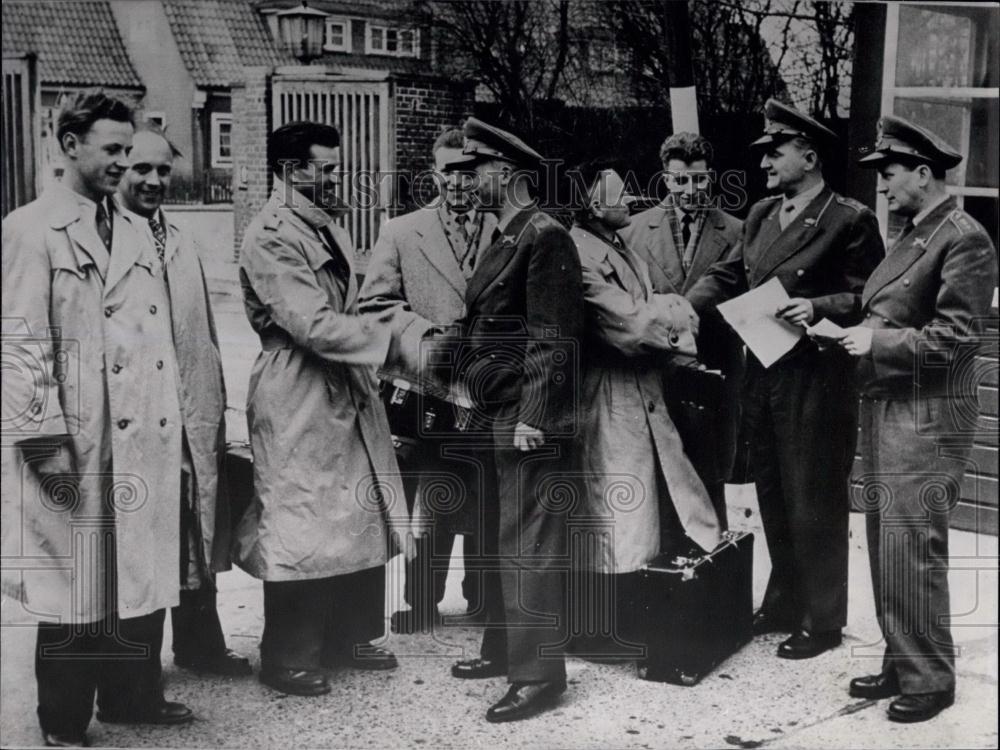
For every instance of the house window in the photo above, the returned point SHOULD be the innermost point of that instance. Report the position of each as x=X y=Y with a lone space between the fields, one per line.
x=338 y=35
x=940 y=71
x=222 y=139
x=387 y=40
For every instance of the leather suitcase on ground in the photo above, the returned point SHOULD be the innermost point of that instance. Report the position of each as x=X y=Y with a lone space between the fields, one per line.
x=696 y=612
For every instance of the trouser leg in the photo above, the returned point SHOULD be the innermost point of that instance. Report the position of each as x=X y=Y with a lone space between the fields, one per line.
x=130 y=676
x=295 y=615
x=355 y=610
x=66 y=673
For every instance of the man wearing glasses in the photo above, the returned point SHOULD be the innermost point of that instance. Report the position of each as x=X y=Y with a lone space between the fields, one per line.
x=679 y=239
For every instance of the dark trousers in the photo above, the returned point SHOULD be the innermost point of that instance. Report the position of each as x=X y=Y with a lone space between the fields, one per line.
x=802 y=417
x=534 y=491
x=310 y=623
x=119 y=659
x=911 y=478
x=198 y=635
x=460 y=482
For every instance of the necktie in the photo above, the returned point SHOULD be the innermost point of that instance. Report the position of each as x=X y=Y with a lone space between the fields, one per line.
x=785 y=218
x=160 y=235
x=461 y=220
x=103 y=222
x=686 y=221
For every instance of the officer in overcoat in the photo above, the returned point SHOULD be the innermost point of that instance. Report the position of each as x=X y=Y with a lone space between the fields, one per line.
x=519 y=360
x=800 y=411
x=925 y=308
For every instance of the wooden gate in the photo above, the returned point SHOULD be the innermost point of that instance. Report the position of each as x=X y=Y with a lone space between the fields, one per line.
x=18 y=97
x=361 y=112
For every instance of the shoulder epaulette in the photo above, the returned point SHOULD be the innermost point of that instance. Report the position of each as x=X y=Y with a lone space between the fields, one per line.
x=962 y=221
x=858 y=206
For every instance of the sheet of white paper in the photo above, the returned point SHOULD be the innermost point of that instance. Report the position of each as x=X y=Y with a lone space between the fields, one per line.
x=826 y=329
x=752 y=317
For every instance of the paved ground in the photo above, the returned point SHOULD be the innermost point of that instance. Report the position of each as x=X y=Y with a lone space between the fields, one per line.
x=753 y=700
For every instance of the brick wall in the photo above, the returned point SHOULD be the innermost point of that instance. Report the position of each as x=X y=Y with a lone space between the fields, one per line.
x=424 y=108
x=251 y=123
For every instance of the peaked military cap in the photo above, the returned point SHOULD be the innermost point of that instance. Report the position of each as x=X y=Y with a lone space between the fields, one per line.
x=487 y=142
x=901 y=138
x=782 y=123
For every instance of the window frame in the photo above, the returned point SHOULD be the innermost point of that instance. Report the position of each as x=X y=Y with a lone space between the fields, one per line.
x=384 y=30
x=217 y=160
x=891 y=92
x=348 y=43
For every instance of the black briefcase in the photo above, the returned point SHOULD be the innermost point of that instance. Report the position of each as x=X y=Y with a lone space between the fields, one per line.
x=695 y=399
x=238 y=468
x=696 y=612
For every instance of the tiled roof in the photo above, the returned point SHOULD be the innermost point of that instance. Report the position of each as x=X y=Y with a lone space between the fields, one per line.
x=77 y=42
x=357 y=8
x=218 y=37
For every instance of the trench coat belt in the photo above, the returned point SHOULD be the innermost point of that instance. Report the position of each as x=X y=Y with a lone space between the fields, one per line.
x=276 y=339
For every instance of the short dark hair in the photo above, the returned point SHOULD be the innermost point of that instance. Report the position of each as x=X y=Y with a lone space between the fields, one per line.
x=688 y=147
x=583 y=177
x=78 y=113
x=291 y=143
x=453 y=138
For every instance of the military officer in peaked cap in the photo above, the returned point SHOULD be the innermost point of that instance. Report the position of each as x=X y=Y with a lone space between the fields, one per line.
x=800 y=411
x=924 y=309
x=518 y=360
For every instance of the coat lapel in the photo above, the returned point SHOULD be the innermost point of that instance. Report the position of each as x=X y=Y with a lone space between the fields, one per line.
x=129 y=247
x=905 y=253
x=659 y=250
x=497 y=256
x=711 y=245
x=65 y=213
x=433 y=243
x=796 y=236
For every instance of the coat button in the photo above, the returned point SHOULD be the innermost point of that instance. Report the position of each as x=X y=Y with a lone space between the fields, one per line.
x=652 y=406
x=36 y=409
x=116 y=369
x=107 y=312
x=867 y=315
x=885 y=320
x=746 y=268
x=906 y=282
x=159 y=364
x=163 y=422
x=122 y=424
x=800 y=272
x=152 y=309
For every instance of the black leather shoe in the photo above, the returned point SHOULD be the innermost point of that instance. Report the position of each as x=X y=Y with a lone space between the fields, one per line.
x=806 y=645
x=166 y=712
x=407 y=621
x=765 y=622
x=874 y=686
x=525 y=699
x=55 y=739
x=920 y=706
x=227 y=664
x=367 y=656
x=296 y=681
x=477 y=669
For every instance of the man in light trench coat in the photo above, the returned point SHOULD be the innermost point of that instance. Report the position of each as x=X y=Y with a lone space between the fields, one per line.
x=92 y=436
x=637 y=479
x=198 y=641
x=327 y=490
